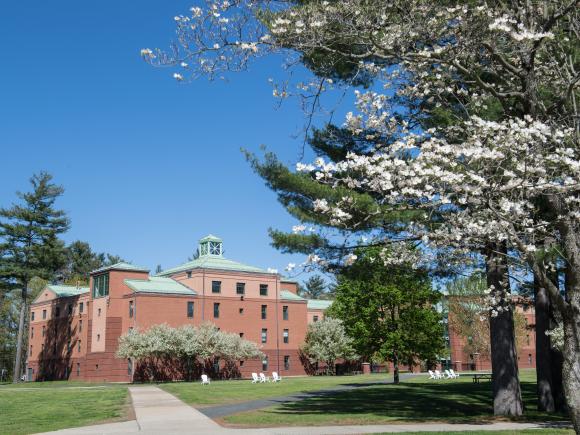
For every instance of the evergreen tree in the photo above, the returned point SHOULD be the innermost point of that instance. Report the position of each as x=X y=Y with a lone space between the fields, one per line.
x=81 y=260
x=390 y=312
x=30 y=246
x=314 y=288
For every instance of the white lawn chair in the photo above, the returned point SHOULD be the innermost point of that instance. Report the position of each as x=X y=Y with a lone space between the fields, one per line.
x=255 y=378
x=438 y=374
x=264 y=378
x=205 y=380
x=448 y=374
x=275 y=377
x=455 y=375
x=432 y=375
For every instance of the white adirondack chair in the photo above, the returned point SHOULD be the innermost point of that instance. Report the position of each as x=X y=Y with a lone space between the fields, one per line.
x=275 y=377
x=255 y=378
x=438 y=374
x=455 y=375
x=264 y=378
x=448 y=374
x=205 y=380
x=432 y=375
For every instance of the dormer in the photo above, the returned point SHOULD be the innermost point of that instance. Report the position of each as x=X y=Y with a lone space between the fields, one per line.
x=211 y=246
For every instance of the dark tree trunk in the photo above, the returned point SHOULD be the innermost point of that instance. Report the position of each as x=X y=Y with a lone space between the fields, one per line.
x=507 y=396
x=571 y=317
x=20 y=336
x=544 y=369
x=395 y=367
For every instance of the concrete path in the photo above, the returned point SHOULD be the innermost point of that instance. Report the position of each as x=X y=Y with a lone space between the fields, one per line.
x=159 y=413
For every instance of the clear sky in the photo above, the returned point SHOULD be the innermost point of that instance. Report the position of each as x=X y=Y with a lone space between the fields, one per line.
x=149 y=165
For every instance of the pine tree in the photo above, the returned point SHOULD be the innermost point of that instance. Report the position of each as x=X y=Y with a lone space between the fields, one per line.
x=30 y=246
x=314 y=288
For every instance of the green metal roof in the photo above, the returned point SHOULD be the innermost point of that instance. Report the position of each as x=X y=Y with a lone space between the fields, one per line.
x=317 y=304
x=65 y=291
x=121 y=266
x=289 y=296
x=210 y=238
x=156 y=284
x=212 y=262
x=293 y=281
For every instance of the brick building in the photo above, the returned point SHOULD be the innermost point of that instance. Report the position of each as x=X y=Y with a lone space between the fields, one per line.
x=74 y=331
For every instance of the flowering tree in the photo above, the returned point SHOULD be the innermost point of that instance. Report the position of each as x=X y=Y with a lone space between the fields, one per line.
x=326 y=341
x=501 y=173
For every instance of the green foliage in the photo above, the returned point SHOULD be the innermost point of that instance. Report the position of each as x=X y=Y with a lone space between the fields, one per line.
x=81 y=260
x=390 y=312
x=314 y=288
x=326 y=341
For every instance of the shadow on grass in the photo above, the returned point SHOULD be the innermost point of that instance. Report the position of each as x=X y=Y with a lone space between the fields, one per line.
x=453 y=402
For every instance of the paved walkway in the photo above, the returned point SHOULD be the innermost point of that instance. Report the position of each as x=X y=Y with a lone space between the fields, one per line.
x=159 y=413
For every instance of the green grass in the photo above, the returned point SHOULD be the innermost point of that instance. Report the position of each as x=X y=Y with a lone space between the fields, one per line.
x=224 y=392
x=414 y=400
x=499 y=432
x=50 y=406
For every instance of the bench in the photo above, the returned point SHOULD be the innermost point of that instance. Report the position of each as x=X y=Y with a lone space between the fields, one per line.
x=481 y=376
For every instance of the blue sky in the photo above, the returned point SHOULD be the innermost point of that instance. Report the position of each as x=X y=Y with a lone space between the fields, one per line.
x=149 y=165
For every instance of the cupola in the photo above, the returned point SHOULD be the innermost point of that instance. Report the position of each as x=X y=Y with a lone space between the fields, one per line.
x=210 y=246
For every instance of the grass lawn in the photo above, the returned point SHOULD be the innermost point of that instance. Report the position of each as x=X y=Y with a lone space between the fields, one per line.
x=414 y=400
x=223 y=392
x=45 y=406
x=498 y=432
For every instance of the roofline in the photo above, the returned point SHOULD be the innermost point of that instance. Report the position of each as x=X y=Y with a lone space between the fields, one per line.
x=265 y=272
x=112 y=267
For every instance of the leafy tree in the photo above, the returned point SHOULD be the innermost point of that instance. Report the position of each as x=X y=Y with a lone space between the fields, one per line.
x=314 y=288
x=326 y=341
x=390 y=312
x=81 y=260
x=30 y=246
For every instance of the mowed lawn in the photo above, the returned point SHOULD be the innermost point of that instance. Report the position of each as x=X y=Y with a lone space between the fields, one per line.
x=416 y=399
x=45 y=406
x=225 y=392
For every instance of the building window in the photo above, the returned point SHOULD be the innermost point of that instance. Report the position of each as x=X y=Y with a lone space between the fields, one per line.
x=528 y=339
x=101 y=285
x=216 y=310
x=70 y=309
x=131 y=309
x=190 y=309
x=42 y=347
x=285 y=312
x=79 y=346
x=57 y=312
x=189 y=274
x=31 y=332
x=263 y=289
x=286 y=362
x=285 y=336
x=241 y=335
x=315 y=318
x=68 y=346
x=216 y=286
x=96 y=367
x=98 y=337
x=240 y=288
x=241 y=311
x=30 y=350
x=264 y=335
x=530 y=359
x=264 y=311
x=80 y=326
x=32 y=316
x=265 y=364
x=241 y=363
x=78 y=369
x=81 y=307
x=43 y=330
x=129 y=367
x=43 y=314
x=99 y=312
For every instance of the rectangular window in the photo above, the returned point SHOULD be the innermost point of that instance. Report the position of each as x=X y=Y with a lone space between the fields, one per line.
x=241 y=335
x=240 y=288
x=78 y=369
x=216 y=286
x=264 y=311
x=57 y=312
x=216 y=310
x=263 y=289
x=265 y=364
x=43 y=330
x=31 y=332
x=101 y=285
x=30 y=350
x=81 y=307
x=285 y=336
x=315 y=318
x=264 y=335
x=80 y=326
x=190 y=309
x=131 y=309
x=129 y=367
x=189 y=274
x=70 y=309
x=241 y=363
x=286 y=362
x=43 y=314
x=32 y=316
x=285 y=312
x=241 y=311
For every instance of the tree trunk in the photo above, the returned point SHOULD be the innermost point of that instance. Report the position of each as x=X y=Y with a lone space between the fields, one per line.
x=20 y=336
x=507 y=396
x=546 y=401
x=571 y=354
x=395 y=367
